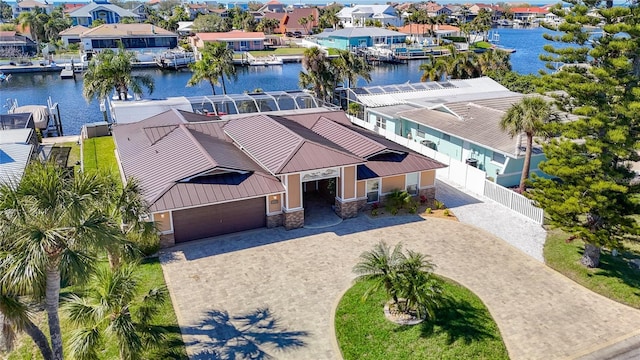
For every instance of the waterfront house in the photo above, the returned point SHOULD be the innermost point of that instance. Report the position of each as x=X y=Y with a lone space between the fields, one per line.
x=72 y=34
x=30 y=5
x=134 y=37
x=345 y=39
x=359 y=15
x=289 y=21
x=13 y=44
x=244 y=6
x=100 y=10
x=458 y=118
x=205 y=177
x=528 y=14
x=236 y=39
x=273 y=6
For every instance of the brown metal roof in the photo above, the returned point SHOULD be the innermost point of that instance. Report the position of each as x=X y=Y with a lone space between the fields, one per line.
x=283 y=146
x=191 y=152
x=347 y=138
x=395 y=164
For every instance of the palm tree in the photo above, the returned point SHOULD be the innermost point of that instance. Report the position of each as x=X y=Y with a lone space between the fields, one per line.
x=433 y=69
x=350 y=67
x=421 y=292
x=528 y=116
x=110 y=70
x=381 y=266
x=35 y=20
x=54 y=227
x=216 y=62
x=304 y=21
x=110 y=310
x=319 y=73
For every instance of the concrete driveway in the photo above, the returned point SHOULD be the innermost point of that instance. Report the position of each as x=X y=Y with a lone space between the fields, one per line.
x=274 y=291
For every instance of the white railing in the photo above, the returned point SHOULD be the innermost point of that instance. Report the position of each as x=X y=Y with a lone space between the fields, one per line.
x=513 y=201
x=469 y=177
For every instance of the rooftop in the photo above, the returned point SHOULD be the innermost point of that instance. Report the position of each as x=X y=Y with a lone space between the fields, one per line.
x=124 y=30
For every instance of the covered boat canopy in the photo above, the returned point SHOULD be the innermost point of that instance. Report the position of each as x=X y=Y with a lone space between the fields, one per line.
x=40 y=114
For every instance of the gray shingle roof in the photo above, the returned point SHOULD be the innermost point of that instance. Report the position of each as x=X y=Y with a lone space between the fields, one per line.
x=86 y=10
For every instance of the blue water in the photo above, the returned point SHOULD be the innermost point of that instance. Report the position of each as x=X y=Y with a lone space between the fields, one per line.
x=36 y=88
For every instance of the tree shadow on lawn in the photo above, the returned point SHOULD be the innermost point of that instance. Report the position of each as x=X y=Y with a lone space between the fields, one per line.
x=246 y=336
x=618 y=267
x=460 y=320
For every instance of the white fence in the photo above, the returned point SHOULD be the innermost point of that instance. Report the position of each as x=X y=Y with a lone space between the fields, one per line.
x=469 y=177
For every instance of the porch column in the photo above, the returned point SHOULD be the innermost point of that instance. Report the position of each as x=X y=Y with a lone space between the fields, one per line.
x=346 y=199
x=293 y=214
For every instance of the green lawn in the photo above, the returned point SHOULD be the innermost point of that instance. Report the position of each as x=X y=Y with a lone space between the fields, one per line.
x=150 y=274
x=279 y=51
x=614 y=278
x=462 y=330
x=99 y=153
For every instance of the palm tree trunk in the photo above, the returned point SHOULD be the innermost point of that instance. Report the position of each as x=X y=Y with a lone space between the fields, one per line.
x=51 y=305
x=114 y=259
x=6 y=334
x=224 y=86
x=40 y=339
x=591 y=256
x=213 y=87
x=527 y=164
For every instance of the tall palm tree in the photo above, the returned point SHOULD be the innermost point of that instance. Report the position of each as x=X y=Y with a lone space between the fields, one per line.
x=381 y=265
x=215 y=63
x=111 y=310
x=34 y=20
x=111 y=70
x=350 y=67
x=527 y=116
x=54 y=227
x=319 y=73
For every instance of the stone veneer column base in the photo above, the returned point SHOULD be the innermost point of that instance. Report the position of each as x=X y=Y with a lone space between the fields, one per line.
x=293 y=219
x=346 y=209
x=274 y=220
x=167 y=240
x=429 y=193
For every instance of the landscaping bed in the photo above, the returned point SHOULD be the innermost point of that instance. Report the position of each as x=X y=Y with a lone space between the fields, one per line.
x=463 y=329
x=615 y=278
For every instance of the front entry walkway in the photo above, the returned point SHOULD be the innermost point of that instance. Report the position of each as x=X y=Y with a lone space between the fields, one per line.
x=275 y=291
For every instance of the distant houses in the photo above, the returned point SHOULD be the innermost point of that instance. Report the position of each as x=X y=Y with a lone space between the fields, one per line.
x=361 y=15
x=100 y=10
x=235 y=39
x=13 y=44
x=345 y=39
x=30 y=5
x=136 y=37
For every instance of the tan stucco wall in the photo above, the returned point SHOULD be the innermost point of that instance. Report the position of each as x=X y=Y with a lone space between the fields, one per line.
x=162 y=220
x=427 y=178
x=392 y=183
x=349 y=182
x=362 y=185
x=275 y=205
x=293 y=191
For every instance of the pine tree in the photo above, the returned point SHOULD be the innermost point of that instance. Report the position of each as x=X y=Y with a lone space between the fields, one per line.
x=592 y=195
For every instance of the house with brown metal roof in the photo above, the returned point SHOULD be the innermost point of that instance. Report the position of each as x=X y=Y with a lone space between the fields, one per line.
x=204 y=177
x=237 y=40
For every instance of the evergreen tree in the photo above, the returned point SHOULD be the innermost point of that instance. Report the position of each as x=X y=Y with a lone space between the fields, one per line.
x=592 y=196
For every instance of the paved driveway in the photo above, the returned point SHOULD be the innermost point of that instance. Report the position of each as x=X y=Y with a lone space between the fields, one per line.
x=274 y=291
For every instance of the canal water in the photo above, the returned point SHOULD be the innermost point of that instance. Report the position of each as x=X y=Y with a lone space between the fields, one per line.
x=34 y=89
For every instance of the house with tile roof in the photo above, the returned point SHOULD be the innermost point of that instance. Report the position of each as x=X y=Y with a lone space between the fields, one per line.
x=99 y=10
x=30 y=5
x=457 y=118
x=134 y=37
x=72 y=34
x=352 y=37
x=14 y=44
x=528 y=14
x=289 y=21
x=204 y=177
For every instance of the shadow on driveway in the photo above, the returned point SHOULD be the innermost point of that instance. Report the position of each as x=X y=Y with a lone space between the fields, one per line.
x=247 y=336
x=453 y=197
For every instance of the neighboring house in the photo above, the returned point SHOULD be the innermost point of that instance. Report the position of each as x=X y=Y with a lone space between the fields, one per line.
x=185 y=28
x=30 y=5
x=289 y=21
x=244 y=6
x=140 y=10
x=72 y=34
x=193 y=10
x=236 y=39
x=134 y=37
x=273 y=6
x=528 y=14
x=204 y=178
x=345 y=39
x=434 y=10
x=99 y=10
x=426 y=30
x=359 y=14
x=12 y=45
x=458 y=118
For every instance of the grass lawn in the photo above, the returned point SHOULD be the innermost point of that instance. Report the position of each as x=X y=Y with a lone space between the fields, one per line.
x=74 y=155
x=150 y=274
x=462 y=330
x=279 y=51
x=614 y=278
x=98 y=153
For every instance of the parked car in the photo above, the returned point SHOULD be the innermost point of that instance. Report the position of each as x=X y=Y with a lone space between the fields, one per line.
x=297 y=34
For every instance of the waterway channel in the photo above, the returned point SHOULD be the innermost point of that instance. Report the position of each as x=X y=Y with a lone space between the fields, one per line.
x=36 y=88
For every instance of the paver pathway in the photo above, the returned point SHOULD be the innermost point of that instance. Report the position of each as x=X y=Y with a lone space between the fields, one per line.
x=226 y=291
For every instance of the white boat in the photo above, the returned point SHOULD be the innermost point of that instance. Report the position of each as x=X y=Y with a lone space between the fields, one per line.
x=67 y=72
x=4 y=77
x=175 y=59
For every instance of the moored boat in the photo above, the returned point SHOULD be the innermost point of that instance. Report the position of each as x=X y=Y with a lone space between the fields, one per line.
x=175 y=59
